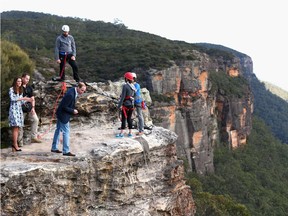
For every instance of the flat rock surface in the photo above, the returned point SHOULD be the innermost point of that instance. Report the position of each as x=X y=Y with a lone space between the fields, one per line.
x=83 y=138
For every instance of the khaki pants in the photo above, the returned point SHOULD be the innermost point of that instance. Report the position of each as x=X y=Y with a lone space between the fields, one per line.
x=34 y=121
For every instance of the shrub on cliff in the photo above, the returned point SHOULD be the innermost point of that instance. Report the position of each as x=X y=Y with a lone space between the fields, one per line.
x=230 y=86
x=14 y=62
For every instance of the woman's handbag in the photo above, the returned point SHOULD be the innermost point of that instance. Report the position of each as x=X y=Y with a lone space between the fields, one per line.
x=27 y=107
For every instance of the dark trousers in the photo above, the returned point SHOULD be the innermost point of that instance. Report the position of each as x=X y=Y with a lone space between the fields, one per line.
x=71 y=63
x=129 y=119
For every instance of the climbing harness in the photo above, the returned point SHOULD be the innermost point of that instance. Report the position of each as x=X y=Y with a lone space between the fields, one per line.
x=126 y=109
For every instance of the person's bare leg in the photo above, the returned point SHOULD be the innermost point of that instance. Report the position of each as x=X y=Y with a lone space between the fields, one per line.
x=15 y=131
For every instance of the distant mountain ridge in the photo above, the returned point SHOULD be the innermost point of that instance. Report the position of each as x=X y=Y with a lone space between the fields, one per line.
x=276 y=90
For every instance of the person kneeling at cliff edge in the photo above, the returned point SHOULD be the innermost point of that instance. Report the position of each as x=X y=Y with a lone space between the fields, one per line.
x=64 y=112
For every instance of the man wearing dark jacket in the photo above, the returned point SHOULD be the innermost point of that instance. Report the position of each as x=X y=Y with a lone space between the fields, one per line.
x=64 y=112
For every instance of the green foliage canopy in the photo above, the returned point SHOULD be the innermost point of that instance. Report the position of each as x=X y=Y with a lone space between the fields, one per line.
x=255 y=175
x=230 y=86
x=105 y=51
x=272 y=109
x=14 y=62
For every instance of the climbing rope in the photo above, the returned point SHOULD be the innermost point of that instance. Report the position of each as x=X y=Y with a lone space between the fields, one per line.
x=62 y=92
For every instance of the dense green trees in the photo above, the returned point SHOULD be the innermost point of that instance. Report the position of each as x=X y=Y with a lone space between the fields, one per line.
x=255 y=176
x=104 y=50
x=14 y=62
x=276 y=90
x=272 y=109
x=229 y=86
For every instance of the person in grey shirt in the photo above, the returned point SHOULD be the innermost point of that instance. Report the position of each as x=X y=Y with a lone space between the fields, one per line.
x=65 y=51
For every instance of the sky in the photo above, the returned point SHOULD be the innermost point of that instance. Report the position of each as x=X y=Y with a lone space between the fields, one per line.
x=255 y=28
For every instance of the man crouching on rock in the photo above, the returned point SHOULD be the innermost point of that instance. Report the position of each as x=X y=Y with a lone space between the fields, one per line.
x=64 y=112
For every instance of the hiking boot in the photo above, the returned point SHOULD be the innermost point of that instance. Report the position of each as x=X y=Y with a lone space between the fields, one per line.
x=35 y=140
x=120 y=135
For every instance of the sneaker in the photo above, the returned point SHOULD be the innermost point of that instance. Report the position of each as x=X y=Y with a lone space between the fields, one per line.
x=130 y=135
x=56 y=151
x=119 y=135
x=68 y=154
x=35 y=140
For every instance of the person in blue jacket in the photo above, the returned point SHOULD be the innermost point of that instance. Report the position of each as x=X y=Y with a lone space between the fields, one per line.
x=138 y=102
x=64 y=112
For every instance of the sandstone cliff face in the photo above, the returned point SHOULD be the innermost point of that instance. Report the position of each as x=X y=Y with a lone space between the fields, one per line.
x=140 y=176
x=201 y=118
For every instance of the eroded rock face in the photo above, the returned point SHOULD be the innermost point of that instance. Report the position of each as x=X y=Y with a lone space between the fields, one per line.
x=109 y=176
x=199 y=118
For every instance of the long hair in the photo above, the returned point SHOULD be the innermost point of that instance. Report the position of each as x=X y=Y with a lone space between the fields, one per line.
x=16 y=89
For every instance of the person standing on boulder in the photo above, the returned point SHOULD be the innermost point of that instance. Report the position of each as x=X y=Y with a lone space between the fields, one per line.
x=65 y=51
x=64 y=112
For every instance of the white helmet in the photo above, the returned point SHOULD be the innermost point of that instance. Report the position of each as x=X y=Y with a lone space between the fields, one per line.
x=65 y=28
x=134 y=75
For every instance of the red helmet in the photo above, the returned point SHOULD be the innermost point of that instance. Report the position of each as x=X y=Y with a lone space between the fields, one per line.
x=129 y=76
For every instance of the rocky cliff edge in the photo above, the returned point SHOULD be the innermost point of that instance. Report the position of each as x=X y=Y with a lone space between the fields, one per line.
x=108 y=176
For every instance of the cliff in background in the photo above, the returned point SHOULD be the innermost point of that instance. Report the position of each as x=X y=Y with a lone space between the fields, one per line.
x=201 y=117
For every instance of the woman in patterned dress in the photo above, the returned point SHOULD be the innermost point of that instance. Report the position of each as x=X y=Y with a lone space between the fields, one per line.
x=16 y=118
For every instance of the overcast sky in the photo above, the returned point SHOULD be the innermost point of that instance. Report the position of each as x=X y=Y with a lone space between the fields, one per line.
x=256 y=28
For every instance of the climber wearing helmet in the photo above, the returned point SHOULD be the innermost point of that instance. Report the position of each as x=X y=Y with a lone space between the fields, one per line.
x=126 y=104
x=65 y=51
